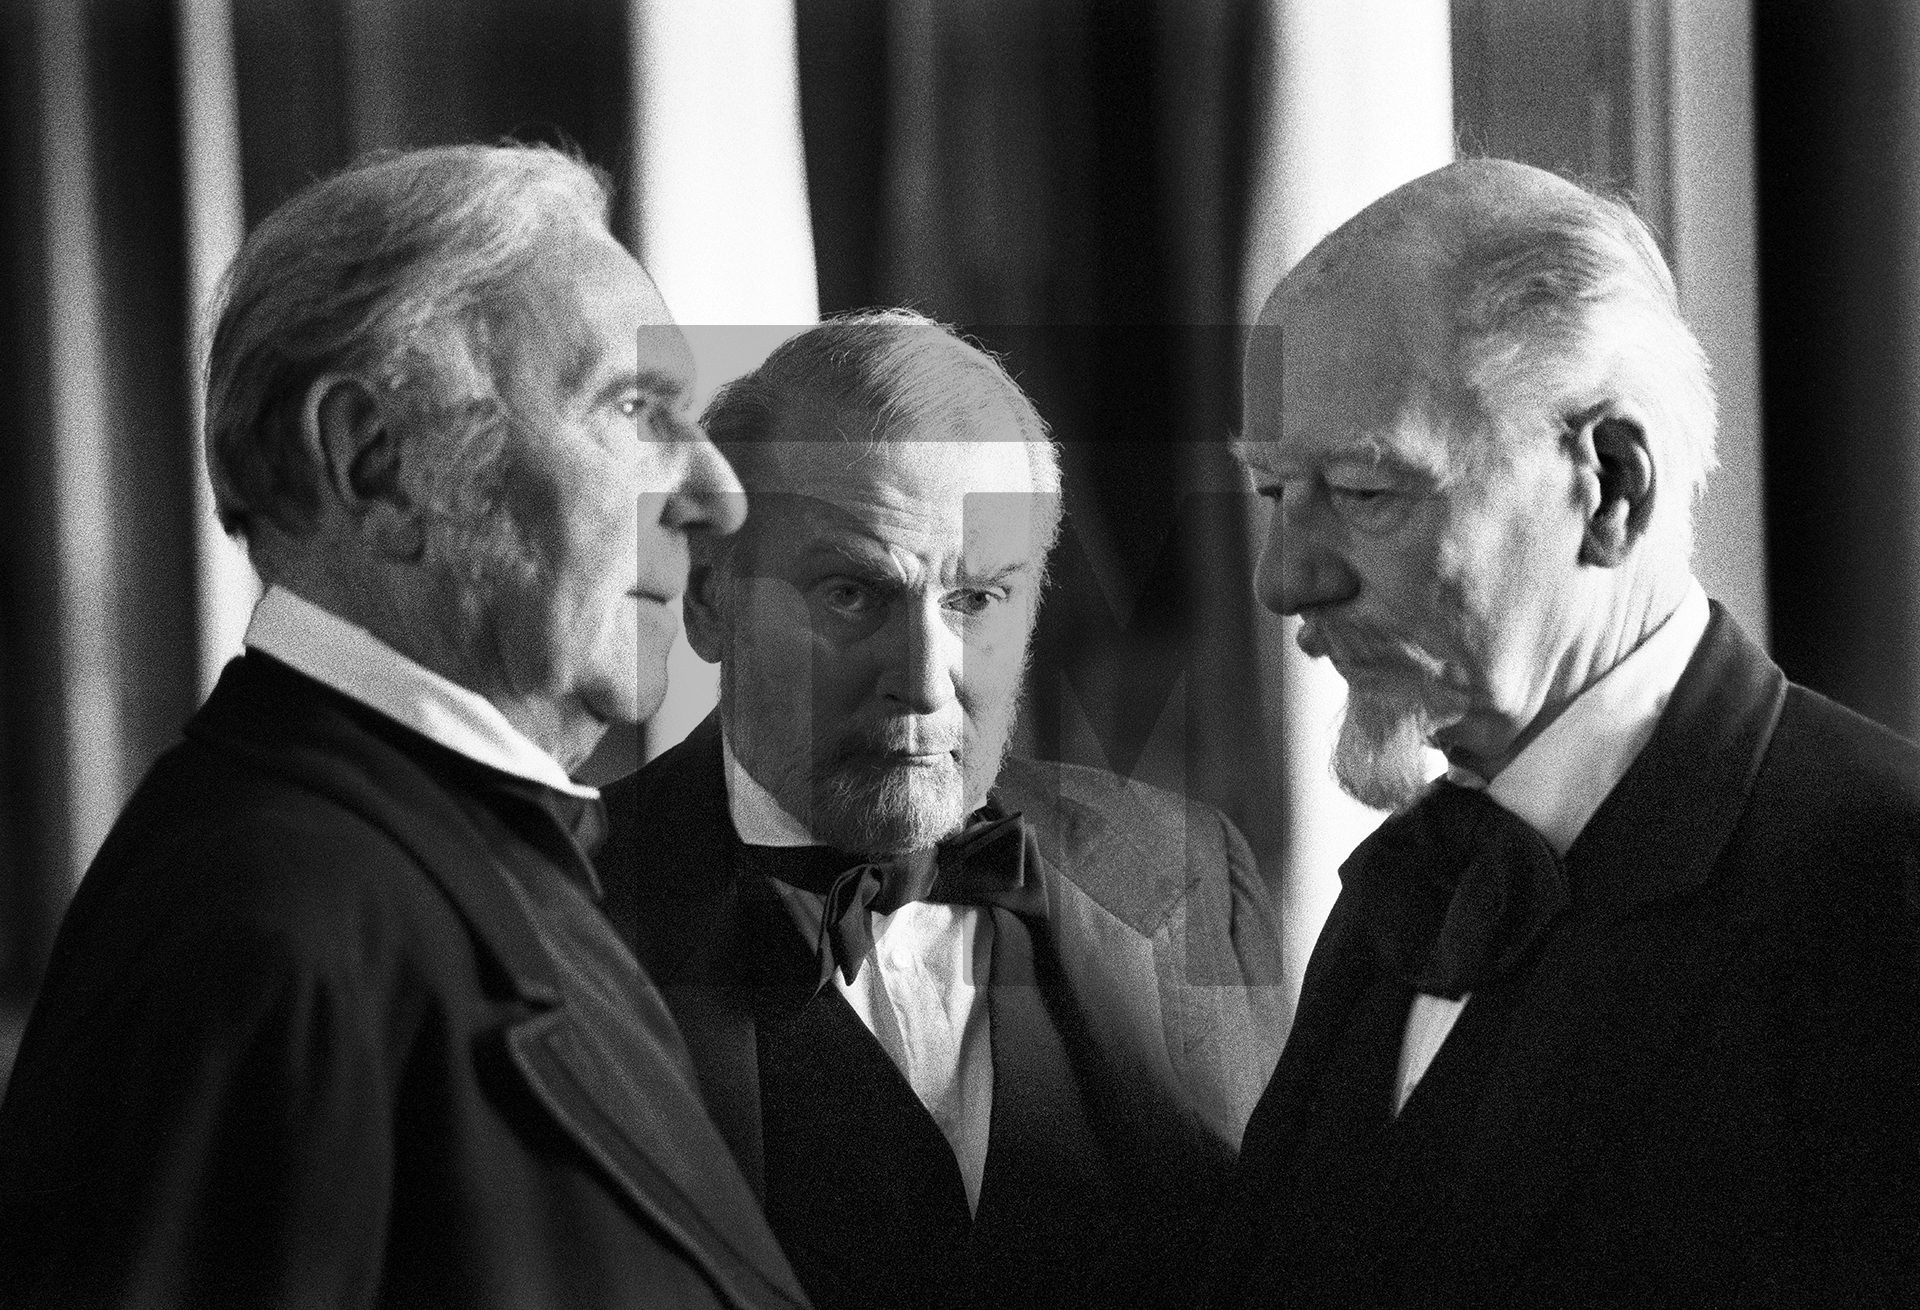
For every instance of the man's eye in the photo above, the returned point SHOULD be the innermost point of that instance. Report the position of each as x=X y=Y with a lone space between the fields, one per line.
x=642 y=407
x=975 y=600
x=1272 y=493
x=1367 y=507
x=852 y=598
x=1359 y=493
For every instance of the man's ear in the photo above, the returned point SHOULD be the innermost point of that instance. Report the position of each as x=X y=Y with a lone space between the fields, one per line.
x=1618 y=469
x=705 y=608
x=360 y=461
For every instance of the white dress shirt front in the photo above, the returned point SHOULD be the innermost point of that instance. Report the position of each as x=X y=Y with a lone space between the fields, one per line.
x=921 y=993
x=1563 y=776
x=354 y=662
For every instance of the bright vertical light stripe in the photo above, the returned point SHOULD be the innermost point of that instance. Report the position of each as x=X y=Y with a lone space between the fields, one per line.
x=720 y=213
x=721 y=197
x=1717 y=267
x=82 y=462
x=224 y=585
x=1360 y=100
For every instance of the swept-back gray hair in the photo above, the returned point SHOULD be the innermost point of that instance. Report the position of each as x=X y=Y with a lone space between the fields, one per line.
x=1553 y=286
x=391 y=271
x=874 y=376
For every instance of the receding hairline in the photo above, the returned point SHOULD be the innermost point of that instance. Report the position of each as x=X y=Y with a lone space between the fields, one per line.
x=859 y=379
x=381 y=269
x=1553 y=296
x=1434 y=226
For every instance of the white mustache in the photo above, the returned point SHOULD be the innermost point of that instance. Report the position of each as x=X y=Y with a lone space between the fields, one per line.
x=901 y=737
x=1351 y=647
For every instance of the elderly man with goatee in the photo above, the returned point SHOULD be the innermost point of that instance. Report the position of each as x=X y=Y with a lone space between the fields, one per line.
x=983 y=1030
x=1621 y=1011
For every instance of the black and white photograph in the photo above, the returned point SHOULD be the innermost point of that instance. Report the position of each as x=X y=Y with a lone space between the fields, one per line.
x=957 y=654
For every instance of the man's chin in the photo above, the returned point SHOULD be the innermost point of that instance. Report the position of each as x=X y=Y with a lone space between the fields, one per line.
x=888 y=809
x=1380 y=757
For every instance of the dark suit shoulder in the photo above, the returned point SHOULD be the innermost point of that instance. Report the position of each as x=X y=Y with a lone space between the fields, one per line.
x=206 y=841
x=1842 y=757
x=1832 y=830
x=236 y=897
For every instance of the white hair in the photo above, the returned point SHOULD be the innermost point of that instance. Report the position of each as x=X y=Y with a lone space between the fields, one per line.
x=1554 y=291
x=893 y=371
x=391 y=270
x=1577 y=298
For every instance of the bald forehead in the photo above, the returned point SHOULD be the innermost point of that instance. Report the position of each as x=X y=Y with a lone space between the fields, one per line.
x=1429 y=230
x=1387 y=320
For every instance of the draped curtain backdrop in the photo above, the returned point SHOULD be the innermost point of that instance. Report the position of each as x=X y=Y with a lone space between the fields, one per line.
x=1066 y=181
x=1099 y=189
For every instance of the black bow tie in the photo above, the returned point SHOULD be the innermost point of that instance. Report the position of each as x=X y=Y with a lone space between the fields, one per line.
x=985 y=864
x=1457 y=890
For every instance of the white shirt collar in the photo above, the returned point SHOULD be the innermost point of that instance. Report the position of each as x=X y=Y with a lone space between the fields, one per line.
x=757 y=816
x=1562 y=777
x=355 y=663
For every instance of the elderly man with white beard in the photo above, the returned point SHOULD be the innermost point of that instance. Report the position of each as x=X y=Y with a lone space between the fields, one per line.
x=1620 y=1011
x=983 y=1030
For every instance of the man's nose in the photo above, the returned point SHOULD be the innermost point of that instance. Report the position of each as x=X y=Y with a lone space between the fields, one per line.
x=706 y=495
x=922 y=664
x=1301 y=567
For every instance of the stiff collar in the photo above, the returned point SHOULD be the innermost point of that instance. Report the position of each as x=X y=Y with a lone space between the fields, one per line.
x=757 y=816
x=1562 y=777
x=355 y=663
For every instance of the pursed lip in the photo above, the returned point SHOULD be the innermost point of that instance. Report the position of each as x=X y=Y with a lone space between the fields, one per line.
x=902 y=759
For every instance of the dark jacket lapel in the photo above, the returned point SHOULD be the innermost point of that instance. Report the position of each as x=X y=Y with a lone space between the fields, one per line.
x=1598 y=1011
x=647 y=1140
x=1106 y=963
x=1339 y=974
x=678 y=900
x=1617 y=983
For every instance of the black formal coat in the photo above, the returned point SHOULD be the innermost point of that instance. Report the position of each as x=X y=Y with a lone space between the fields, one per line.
x=304 y=1043
x=1703 y=1090
x=1158 y=959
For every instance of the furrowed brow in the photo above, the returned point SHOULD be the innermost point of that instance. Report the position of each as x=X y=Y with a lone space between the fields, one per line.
x=997 y=577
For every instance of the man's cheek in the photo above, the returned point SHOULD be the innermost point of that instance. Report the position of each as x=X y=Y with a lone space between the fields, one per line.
x=991 y=654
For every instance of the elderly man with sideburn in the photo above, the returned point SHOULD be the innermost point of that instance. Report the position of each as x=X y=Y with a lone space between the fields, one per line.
x=334 y=1019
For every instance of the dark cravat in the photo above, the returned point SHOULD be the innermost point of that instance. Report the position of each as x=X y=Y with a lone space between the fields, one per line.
x=1457 y=890
x=986 y=863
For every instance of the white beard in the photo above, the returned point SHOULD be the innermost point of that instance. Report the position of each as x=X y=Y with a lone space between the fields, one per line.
x=1380 y=756
x=887 y=811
